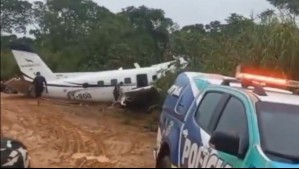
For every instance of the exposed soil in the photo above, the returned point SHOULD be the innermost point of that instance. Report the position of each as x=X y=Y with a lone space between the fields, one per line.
x=58 y=134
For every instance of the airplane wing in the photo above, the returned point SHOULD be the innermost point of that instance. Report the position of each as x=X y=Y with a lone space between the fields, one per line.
x=149 y=95
x=144 y=96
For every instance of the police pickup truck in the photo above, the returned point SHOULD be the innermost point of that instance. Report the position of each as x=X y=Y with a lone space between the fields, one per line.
x=213 y=121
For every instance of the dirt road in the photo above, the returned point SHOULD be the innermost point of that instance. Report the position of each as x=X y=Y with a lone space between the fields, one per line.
x=77 y=136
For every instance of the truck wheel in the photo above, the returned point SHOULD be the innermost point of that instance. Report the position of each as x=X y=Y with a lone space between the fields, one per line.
x=164 y=162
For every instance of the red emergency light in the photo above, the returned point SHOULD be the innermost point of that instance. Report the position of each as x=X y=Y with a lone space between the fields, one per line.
x=265 y=79
x=261 y=79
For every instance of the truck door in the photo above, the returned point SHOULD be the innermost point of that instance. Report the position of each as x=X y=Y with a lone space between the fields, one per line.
x=232 y=121
x=195 y=133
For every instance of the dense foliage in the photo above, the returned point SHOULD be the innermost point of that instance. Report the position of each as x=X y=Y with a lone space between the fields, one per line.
x=80 y=35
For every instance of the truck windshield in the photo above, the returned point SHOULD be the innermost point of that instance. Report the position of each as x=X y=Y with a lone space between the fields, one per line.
x=279 y=130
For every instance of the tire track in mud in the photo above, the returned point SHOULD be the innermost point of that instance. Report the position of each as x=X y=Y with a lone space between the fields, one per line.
x=55 y=130
x=63 y=136
x=71 y=140
x=126 y=147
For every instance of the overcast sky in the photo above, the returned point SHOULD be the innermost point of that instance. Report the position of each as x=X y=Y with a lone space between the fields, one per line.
x=186 y=12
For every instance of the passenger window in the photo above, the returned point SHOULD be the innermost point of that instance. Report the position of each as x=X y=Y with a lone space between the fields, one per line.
x=127 y=80
x=207 y=109
x=154 y=77
x=100 y=83
x=114 y=82
x=85 y=85
x=234 y=119
x=185 y=101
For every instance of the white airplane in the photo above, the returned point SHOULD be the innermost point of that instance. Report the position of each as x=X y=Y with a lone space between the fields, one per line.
x=88 y=86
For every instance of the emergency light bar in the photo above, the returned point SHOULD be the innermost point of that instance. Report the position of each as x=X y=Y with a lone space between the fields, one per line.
x=258 y=77
x=265 y=80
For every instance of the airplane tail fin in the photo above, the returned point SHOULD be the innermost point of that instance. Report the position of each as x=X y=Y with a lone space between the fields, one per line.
x=29 y=62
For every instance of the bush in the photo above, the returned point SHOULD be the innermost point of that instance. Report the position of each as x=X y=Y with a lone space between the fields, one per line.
x=9 y=67
x=164 y=84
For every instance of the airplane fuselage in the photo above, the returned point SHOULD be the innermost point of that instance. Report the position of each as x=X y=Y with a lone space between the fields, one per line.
x=99 y=86
x=86 y=86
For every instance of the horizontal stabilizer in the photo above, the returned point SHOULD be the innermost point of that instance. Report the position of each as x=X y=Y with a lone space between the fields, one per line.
x=137 y=66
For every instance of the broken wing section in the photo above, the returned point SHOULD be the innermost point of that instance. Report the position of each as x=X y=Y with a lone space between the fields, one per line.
x=140 y=97
x=20 y=85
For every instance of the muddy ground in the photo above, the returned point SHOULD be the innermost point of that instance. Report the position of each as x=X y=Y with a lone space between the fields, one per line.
x=59 y=134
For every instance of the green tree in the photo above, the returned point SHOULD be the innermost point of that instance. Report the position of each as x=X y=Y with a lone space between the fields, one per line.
x=290 y=5
x=151 y=23
x=15 y=15
x=80 y=35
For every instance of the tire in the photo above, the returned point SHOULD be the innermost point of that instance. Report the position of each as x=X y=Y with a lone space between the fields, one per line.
x=164 y=162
